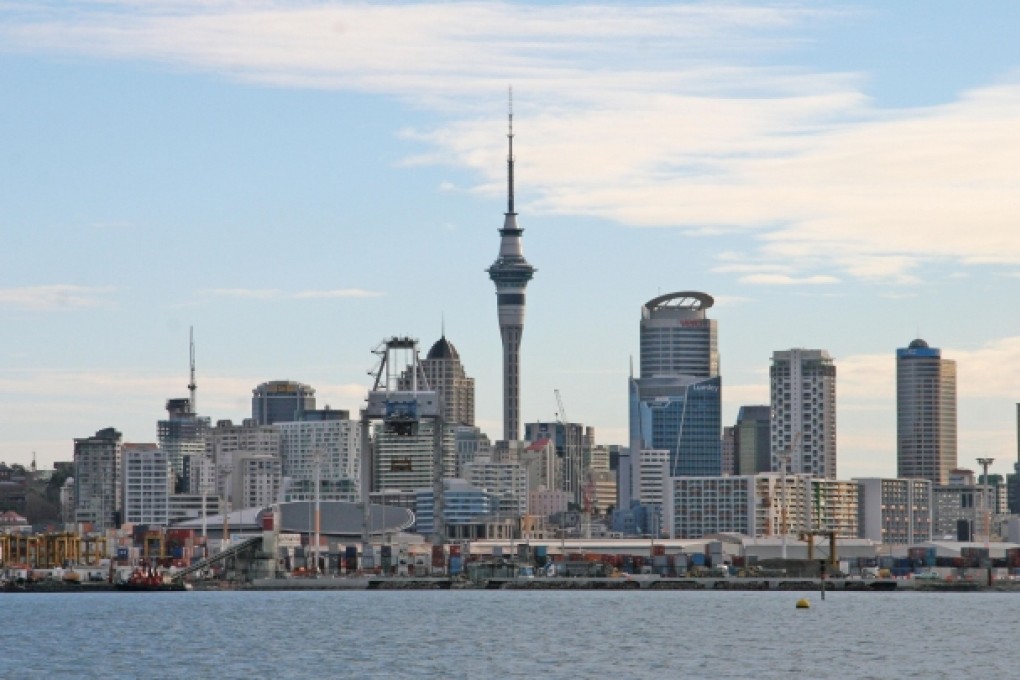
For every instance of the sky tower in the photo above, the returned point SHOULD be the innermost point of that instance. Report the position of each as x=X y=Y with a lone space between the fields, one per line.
x=511 y=273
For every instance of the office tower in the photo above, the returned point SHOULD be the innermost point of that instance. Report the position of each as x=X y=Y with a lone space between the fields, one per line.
x=803 y=388
x=511 y=273
x=329 y=449
x=676 y=404
x=226 y=442
x=925 y=413
x=895 y=510
x=404 y=462
x=445 y=374
x=753 y=505
x=181 y=436
x=677 y=338
x=148 y=483
x=97 y=461
x=281 y=401
x=256 y=480
x=752 y=440
x=506 y=480
x=572 y=444
x=729 y=450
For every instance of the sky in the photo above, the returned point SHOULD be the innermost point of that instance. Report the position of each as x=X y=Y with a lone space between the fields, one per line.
x=298 y=180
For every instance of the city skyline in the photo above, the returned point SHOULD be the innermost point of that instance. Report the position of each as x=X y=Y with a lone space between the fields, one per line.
x=293 y=187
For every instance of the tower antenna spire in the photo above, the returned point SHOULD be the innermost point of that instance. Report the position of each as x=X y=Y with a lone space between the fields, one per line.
x=510 y=154
x=192 y=387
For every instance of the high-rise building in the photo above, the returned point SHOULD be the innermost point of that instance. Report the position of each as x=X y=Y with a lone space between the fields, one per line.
x=572 y=443
x=97 y=461
x=752 y=441
x=677 y=337
x=281 y=401
x=227 y=441
x=148 y=483
x=445 y=375
x=925 y=413
x=327 y=449
x=803 y=389
x=256 y=480
x=676 y=404
x=181 y=435
x=405 y=462
x=895 y=510
x=511 y=274
x=759 y=505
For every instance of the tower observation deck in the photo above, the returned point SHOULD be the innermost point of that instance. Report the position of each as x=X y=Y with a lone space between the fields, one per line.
x=511 y=273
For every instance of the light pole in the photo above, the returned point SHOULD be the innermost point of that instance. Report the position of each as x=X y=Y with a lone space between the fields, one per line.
x=318 y=482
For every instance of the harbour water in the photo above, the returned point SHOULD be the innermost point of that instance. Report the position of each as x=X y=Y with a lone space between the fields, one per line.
x=509 y=634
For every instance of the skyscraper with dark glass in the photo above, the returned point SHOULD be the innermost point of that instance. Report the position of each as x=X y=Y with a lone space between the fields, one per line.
x=925 y=413
x=676 y=403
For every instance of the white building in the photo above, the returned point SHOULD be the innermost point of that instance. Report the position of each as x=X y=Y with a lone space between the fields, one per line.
x=404 y=462
x=545 y=502
x=256 y=480
x=97 y=495
x=148 y=479
x=962 y=501
x=653 y=472
x=329 y=448
x=226 y=441
x=759 y=505
x=506 y=481
x=803 y=390
x=895 y=511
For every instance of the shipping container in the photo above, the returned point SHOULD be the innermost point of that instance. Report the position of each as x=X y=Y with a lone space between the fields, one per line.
x=438 y=557
x=456 y=565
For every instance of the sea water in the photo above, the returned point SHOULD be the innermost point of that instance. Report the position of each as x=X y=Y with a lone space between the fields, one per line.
x=509 y=634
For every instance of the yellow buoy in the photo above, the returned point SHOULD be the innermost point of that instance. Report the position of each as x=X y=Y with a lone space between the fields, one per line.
x=802 y=603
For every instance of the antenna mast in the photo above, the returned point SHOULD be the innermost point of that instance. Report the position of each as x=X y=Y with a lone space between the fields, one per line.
x=192 y=387
x=510 y=156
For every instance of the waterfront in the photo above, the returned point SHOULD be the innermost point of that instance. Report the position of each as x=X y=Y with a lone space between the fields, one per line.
x=480 y=634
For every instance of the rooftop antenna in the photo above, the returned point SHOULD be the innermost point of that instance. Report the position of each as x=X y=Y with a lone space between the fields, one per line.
x=442 y=325
x=192 y=387
x=510 y=155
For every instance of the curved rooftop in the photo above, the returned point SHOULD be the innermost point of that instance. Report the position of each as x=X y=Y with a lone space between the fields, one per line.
x=443 y=349
x=687 y=299
x=917 y=344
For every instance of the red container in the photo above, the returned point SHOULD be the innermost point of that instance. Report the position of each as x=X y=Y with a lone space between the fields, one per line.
x=438 y=556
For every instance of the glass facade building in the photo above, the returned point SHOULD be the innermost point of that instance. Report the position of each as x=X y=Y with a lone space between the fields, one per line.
x=676 y=403
x=925 y=413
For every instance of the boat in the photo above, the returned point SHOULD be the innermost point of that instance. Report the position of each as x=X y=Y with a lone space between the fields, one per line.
x=148 y=581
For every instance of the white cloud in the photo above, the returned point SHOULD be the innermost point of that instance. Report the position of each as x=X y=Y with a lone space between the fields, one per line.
x=787 y=280
x=646 y=115
x=276 y=294
x=56 y=297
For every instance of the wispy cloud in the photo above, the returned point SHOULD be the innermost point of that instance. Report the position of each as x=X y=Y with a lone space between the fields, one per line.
x=817 y=176
x=276 y=294
x=56 y=297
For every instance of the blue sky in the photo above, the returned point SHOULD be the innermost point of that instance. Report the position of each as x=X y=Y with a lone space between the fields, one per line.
x=300 y=180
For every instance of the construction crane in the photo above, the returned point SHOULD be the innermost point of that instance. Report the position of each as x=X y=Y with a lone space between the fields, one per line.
x=784 y=460
x=809 y=537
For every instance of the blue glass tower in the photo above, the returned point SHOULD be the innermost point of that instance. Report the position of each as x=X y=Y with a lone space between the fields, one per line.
x=676 y=404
